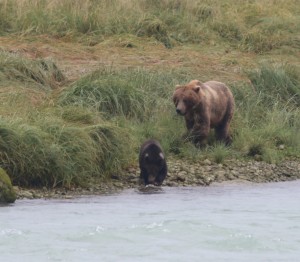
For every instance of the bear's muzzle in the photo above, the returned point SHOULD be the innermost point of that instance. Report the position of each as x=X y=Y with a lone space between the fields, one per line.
x=180 y=112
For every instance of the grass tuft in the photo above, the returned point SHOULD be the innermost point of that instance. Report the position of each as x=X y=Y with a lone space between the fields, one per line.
x=51 y=154
x=277 y=82
x=134 y=93
x=220 y=152
x=154 y=27
x=108 y=94
x=43 y=74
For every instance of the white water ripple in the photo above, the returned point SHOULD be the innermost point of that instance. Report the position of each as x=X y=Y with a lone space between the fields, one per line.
x=10 y=232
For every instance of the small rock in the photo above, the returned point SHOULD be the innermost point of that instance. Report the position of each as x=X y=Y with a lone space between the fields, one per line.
x=27 y=194
x=230 y=176
x=37 y=195
x=207 y=162
x=16 y=188
x=258 y=157
x=207 y=180
x=118 y=184
x=181 y=176
x=131 y=170
x=220 y=174
x=171 y=184
x=208 y=168
x=68 y=197
x=234 y=173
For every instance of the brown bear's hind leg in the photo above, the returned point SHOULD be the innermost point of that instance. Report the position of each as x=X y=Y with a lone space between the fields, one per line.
x=222 y=134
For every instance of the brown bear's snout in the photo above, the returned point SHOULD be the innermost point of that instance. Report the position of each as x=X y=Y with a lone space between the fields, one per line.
x=180 y=106
x=178 y=111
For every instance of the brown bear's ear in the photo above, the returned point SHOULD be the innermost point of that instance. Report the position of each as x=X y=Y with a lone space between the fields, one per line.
x=177 y=87
x=196 y=89
x=195 y=82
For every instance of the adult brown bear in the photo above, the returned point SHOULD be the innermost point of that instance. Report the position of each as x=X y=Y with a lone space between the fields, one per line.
x=152 y=162
x=205 y=106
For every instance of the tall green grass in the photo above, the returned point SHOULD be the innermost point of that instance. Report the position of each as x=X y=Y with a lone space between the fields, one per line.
x=267 y=113
x=94 y=127
x=51 y=153
x=257 y=26
x=132 y=93
x=42 y=74
x=276 y=83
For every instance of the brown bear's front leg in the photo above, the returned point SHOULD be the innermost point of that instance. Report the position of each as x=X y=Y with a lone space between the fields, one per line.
x=200 y=131
x=189 y=122
x=199 y=136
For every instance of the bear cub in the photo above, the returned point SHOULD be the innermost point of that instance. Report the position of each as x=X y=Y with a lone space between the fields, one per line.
x=153 y=165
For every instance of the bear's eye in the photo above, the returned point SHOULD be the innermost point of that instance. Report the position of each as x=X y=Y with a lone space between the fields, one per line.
x=187 y=101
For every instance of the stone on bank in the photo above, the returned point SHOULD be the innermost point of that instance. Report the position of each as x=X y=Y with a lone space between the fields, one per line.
x=7 y=193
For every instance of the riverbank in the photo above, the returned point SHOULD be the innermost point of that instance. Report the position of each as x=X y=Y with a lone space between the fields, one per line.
x=181 y=173
x=80 y=95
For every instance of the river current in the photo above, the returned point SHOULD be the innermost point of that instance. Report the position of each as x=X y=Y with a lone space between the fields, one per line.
x=225 y=222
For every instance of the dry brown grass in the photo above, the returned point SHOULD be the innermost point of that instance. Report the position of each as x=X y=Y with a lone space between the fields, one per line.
x=76 y=59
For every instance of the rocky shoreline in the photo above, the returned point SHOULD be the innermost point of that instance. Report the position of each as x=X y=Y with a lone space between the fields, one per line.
x=181 y=173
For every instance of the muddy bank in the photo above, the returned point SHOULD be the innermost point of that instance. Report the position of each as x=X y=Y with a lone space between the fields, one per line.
x=182 y=173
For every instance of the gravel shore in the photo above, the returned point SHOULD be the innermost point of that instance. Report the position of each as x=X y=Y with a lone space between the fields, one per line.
x=181 y=173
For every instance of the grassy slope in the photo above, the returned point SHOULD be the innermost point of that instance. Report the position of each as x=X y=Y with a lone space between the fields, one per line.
x=218 y=54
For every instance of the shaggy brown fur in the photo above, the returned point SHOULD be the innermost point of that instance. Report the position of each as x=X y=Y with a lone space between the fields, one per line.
x=205 y=106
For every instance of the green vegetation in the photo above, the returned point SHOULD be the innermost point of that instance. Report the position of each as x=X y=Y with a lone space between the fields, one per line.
x=42 y=74
x=268 y=112
x=47 y=152
x=56 y=131
x=7 y=193
x=250 y=25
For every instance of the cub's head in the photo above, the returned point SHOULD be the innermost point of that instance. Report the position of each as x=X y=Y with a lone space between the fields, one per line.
x=186 y=97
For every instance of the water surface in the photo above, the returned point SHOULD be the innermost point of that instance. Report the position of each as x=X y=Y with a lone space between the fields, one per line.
x=230 y=222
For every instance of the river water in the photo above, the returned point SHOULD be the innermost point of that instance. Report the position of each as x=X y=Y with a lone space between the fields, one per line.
x=229 y=222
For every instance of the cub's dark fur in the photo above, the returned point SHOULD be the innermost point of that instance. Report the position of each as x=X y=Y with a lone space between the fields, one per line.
x=152 y=162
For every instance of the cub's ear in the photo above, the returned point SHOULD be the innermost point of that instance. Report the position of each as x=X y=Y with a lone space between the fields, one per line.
x=196 y=89
x=161 y=155
x=177 y=87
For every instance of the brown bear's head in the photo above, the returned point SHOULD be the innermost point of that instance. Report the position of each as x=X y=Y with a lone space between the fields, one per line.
x=186 y=97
